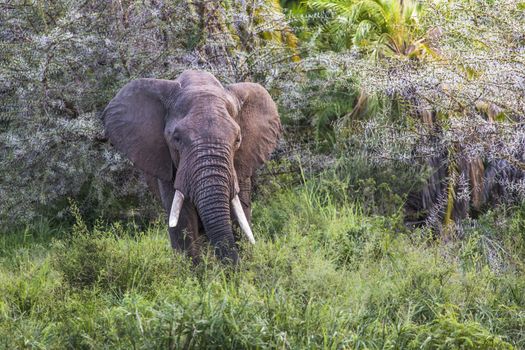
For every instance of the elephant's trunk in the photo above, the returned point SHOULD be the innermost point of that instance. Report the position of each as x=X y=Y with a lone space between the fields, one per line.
x=211 y=192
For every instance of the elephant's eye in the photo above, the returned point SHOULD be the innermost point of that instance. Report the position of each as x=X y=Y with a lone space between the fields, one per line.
x=238 y=140
x=176 y=134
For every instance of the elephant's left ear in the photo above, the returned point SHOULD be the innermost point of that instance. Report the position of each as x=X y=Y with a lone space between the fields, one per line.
x=260 y=127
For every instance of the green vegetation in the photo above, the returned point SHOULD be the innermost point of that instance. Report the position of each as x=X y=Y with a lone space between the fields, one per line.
x=379 y=27
x=322 y=275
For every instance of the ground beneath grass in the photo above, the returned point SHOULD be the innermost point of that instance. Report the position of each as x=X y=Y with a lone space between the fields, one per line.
x=322 y=275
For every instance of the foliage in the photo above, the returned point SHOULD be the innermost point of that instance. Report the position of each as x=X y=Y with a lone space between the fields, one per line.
x=378 y=27
x=323 y=275
x=450 y=118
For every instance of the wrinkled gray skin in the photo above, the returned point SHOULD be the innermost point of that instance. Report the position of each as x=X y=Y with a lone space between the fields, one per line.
x=198 y=137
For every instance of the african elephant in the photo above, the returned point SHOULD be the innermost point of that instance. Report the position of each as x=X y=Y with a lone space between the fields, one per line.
x=199 y=144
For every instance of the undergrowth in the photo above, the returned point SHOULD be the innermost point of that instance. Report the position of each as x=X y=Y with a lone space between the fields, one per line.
x=322 y=275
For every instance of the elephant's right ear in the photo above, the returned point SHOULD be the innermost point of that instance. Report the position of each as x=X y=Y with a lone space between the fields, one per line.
x=134 y=122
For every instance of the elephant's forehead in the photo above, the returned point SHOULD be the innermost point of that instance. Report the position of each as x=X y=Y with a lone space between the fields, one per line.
x=193 y=77
x=205 y=99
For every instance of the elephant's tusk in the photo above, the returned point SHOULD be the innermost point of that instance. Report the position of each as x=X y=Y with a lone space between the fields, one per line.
x=241 y=217
x=176 y=206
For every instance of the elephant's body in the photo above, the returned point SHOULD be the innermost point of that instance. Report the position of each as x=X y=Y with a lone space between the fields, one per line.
x=186 y=136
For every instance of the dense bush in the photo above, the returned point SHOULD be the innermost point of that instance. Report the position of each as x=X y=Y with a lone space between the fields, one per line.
x=445 y=115
x=62 y=63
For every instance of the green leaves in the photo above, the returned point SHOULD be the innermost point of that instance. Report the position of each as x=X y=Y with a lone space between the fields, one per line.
x=377 y=27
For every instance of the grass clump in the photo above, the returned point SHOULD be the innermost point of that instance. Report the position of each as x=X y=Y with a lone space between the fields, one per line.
x=322 y=275
x=111 y=260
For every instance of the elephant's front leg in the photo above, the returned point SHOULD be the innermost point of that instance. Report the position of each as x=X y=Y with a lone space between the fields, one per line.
x=245 y=195
x=184 y=237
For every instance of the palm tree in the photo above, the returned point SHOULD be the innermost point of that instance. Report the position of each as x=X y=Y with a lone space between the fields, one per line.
x=378 y=27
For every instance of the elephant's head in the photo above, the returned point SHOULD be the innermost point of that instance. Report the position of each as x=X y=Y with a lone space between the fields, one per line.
x=200 y=136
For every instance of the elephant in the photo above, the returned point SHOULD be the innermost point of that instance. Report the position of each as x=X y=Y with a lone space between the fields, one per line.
x=198 y=144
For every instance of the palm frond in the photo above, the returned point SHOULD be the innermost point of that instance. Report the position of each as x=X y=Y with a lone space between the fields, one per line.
x=364 y=32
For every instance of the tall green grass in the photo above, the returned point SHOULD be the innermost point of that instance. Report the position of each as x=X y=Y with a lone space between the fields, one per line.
x=322 y=275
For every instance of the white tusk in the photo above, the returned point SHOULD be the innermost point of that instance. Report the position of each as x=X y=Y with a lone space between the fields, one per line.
x=176 y=206
x=241 y=217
